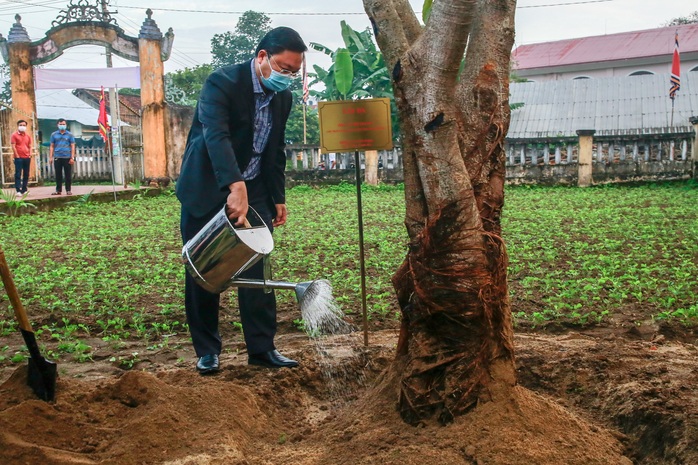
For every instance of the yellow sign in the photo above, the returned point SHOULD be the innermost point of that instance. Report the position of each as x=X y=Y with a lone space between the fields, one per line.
x=355 y=125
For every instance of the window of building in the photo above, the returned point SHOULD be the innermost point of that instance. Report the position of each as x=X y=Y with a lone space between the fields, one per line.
x=581 y=77
x=641 y=73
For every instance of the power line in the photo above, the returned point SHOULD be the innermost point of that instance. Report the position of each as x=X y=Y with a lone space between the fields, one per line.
x=49 y=3
x=186 y=10
x=296 y=13
x=17 y=3
x=175 y=52
x=28 y=3
x=24 y=13
x=564 y=4
x=26 y=26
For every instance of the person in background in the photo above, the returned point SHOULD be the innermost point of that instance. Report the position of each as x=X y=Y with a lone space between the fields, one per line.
x=235 y=158
x=62 y=155
x=22 y=151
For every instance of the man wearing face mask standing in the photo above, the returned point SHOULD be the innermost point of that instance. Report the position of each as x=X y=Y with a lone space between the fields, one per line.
x=235 y=156
x=21 y=149
x=62 y=155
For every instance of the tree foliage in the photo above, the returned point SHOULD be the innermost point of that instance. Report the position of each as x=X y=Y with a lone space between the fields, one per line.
x=228 y=48
x=357 y=71
x=6 y=91
x=688 y=19
x=235 y=47
x=190 y=81
x=238 y=46
x=369 y=76
x=294 y=125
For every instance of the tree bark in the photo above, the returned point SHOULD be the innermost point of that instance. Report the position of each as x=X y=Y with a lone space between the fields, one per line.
x=371 y=170
x=455 y=345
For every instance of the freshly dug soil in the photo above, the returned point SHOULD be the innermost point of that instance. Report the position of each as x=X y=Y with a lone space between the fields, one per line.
x=583 y=398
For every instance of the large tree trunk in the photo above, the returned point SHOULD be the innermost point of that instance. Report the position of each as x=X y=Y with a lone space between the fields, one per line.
x=455 y=346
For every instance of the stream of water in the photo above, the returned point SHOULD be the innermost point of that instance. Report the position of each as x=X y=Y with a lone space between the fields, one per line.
x=337 y=343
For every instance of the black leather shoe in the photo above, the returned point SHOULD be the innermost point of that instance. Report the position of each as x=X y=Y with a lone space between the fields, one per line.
x=208 y=364
x=271 y=359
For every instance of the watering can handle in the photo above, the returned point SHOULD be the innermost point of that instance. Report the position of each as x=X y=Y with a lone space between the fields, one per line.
x=245 y=223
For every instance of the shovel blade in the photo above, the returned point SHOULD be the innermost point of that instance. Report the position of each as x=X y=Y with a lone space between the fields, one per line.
x=41 y=374
x=41 y=378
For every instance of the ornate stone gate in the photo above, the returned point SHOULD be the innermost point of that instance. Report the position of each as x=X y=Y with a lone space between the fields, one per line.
x=82 y=23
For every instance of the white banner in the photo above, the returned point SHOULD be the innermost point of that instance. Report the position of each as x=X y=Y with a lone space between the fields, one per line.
x=87 y=78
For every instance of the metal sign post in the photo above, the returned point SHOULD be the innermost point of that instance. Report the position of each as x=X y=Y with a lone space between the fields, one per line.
x=362 y=259
x=353 y=125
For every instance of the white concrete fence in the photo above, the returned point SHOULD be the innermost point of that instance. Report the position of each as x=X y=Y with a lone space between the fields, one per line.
x=604 y=158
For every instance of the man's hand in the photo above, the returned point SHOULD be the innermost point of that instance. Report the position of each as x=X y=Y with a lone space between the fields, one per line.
x=281 y=214
x=236 y=205
x=71 y=161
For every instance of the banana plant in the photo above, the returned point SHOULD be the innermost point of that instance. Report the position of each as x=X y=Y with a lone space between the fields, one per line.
x=357 y=71
x=366 y=75
x=343 y=71
x=426 y=10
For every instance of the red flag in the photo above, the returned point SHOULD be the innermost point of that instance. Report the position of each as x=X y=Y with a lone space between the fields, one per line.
x=306 y=91
x=675 y=79
x=102 y=121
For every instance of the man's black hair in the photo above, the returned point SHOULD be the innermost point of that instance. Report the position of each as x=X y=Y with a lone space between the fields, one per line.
x=62 y=119
x=21 y=121
x=280 y=39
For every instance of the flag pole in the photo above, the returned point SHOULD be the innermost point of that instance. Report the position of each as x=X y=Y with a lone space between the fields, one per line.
x=111 y=159
x=675 y=78
x=105 y=132
x=305 y=104
x=118 y=133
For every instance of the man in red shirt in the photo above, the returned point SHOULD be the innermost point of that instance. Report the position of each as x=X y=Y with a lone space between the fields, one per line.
x=22 y=148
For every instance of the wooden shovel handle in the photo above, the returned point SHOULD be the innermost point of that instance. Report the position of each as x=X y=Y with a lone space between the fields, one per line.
x=13 y=294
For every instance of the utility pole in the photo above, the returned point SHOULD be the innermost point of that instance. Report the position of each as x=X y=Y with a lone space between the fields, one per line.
x=113 y=111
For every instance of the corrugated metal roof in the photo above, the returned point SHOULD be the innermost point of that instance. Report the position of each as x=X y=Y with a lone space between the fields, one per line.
x=611 y=106
x=611 y=47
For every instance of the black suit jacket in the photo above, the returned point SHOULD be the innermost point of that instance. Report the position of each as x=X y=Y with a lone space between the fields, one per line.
x=219 y=146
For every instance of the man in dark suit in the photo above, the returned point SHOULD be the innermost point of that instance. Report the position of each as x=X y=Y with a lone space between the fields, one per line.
x=235 y=157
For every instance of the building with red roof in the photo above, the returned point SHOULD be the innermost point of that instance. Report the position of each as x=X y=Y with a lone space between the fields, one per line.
x=614 y=55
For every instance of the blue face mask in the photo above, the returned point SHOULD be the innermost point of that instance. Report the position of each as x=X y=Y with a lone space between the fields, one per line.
x=276 y=81
x=62 y=127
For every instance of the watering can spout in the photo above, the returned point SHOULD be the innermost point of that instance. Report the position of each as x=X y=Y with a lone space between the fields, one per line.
x=301 y=289
x=219 y=253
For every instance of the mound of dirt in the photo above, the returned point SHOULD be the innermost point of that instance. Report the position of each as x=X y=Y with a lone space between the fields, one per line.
x=339 y=407
x=523 y=428
x=643 y=388
x=138 y=418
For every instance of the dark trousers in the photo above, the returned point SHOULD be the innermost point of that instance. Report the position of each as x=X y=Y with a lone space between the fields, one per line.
x=257 y=308
x=22 y=173
x=61 y=165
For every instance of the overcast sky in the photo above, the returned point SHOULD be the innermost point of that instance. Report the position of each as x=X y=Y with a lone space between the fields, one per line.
x=194 y=28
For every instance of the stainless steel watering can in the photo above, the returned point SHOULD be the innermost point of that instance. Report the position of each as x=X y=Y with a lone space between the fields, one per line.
x=220 y=252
